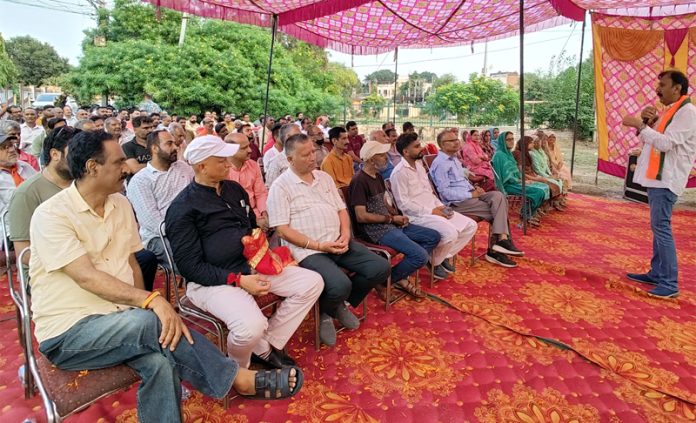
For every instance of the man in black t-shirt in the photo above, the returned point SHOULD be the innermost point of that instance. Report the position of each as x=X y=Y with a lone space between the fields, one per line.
x=378 y=224
x=137 y=154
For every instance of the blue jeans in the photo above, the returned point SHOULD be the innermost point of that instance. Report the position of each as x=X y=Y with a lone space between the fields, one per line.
x=663 y=267
x=131 y=337
x=415 y=243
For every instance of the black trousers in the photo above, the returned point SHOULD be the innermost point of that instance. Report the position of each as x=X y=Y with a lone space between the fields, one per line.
x=369 y=268
x=148 y=265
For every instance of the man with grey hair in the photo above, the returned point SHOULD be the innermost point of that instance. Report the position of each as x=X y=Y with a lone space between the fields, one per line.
x=279 y=163
x=12 y=128
x=179 y=133
x=112 y=126
x=86 y=125
x=320 y=150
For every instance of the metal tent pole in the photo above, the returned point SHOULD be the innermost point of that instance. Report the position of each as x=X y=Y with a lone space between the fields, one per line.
x=396 y=78
x=577 y=98
x=274 y=30
x=523 y=146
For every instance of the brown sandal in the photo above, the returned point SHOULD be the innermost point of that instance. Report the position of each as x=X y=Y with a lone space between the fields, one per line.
x=411 y=288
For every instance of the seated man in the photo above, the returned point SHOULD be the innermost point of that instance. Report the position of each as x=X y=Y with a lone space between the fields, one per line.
x=247 y=173
x=355 y=143
x=13 y=171
x=305 y=208
x=272 y=148
x=415 y=198
x=320 y=147
x=378 y=225
x=205 y=225
x=457 y=192
x=136 y=150
x=153 y=189
x=379 y=136
x=89 y=306
x=338 y=164
x=279 y=163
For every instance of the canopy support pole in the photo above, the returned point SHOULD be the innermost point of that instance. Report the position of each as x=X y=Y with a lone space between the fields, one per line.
x=525 y=209
x=264 y=121
x=396 y=79
x=577 y=98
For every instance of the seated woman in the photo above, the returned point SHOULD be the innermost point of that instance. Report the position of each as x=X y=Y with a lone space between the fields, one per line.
x=560 y=170
x=532 y=176
x=487 y=143
x=477 y=161
x=540 y=165
x=509 y=180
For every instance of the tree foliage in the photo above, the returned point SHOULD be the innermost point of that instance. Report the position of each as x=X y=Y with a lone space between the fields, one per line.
x=480 y=101
x=8 y=71
x=35 y=61
x=221 y=66
x=557 y=89
x=382 y=76
x=373 y=104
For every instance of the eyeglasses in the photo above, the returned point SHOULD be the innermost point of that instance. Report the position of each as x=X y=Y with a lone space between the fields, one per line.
x=9 y=144
x=452 y=140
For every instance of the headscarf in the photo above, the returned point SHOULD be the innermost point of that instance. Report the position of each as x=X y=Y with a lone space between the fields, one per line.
x=553 y=152
x=494 y=141
x=505 y=165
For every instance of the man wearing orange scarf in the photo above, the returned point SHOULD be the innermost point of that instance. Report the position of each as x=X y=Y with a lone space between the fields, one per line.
x=12 y=171
x=669 y=151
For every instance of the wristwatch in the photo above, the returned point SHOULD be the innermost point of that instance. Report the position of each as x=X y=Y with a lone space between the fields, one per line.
x=640 y=128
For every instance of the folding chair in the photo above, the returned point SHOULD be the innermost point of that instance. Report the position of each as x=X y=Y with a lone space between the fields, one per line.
x=389 y=254
x=17 y=300
x=65 y=392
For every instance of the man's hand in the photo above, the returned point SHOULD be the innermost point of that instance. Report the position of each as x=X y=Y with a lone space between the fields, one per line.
x=632 y=121
x=262 y=221
x=477 y=192
x=333 y=248
x=172 y=325
x=400 y=221
x=635 y=152
x=343 y=240
x=438 y=211
x=256 y=285
x=649 y=113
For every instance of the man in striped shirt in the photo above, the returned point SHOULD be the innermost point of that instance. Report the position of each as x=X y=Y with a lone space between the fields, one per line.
x=311 y=218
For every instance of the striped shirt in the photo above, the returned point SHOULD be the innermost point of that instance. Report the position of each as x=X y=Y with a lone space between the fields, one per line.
x=276 y=166
x=311 y=209
x=151 y=191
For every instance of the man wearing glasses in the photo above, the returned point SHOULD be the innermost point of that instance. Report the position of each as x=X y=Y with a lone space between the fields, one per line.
x=12 y=170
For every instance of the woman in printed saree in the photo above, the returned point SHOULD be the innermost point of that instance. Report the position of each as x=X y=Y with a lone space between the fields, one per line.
x=487 y=143
x=477 y=161
x=541 y=166
x=508 y=178
x=560 y=170
x=531 y=176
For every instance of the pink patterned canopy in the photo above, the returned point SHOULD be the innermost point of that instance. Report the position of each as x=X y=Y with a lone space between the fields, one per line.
x=370 y=27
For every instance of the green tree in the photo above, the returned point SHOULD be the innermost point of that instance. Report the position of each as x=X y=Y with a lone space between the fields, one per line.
x=221 y=66
x=35 y=61
x=480 y=101
x=373 y=104
x=383 y=76
x=557 y=89
x=443 y=80
x=8 y=71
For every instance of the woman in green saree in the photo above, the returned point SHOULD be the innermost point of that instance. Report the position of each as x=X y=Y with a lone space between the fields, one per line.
x=541 y=166
x=508 y=178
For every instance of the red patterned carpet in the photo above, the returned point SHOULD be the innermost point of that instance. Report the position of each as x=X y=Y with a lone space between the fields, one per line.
x=620 y=356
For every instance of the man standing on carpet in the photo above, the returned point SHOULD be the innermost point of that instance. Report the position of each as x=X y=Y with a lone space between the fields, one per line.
x=669 y=150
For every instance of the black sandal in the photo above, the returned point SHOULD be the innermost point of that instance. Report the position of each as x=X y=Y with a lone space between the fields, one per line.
x=274 y=384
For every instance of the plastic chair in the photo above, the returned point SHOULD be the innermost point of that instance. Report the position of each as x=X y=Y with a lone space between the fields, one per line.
x=65 y=392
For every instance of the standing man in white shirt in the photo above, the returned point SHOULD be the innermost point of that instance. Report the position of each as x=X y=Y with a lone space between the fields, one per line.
x=31 y=131
x=669 y=151
x=415 y=198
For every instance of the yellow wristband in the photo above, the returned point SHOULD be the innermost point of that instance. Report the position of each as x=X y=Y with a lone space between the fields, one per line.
x=149 y=298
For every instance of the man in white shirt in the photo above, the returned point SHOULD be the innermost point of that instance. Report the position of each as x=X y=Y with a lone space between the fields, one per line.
x=311 y=218
x=152 y=190
x=279 y=163
x=669 y=151
x=277 y=146
x=415 y=198
x=31 y=131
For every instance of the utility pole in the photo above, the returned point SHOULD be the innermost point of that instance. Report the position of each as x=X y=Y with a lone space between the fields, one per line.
x=484 y=72
x=182 y=32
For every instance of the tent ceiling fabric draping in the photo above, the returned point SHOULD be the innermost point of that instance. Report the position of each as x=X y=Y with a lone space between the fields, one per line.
x=371 y=27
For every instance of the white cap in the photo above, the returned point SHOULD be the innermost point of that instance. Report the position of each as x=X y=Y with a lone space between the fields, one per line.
x=208 y=146
x=372 y=148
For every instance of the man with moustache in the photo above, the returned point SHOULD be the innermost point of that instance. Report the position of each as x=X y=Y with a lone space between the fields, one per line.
x=279 y=163
x=13 y=171
x=153 y=189
x=137 y=153
x=248 y=132
x=338 y=164
x=247 y=173
x=31 y=130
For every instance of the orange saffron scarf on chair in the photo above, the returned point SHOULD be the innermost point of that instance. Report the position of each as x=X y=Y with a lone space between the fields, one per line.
x=657 y=157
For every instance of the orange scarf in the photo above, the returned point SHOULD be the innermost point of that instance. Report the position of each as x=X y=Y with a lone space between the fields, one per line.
x=16 y=176
x=657 y=157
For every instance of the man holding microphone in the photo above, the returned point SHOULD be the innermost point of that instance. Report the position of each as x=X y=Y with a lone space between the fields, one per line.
x=669 y=150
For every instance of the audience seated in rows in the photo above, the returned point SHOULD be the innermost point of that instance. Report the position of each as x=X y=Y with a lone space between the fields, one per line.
x=307 y=212
x=205 y=225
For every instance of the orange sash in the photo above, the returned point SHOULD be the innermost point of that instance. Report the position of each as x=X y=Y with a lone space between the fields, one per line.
x=16 y=176
x=657 y=157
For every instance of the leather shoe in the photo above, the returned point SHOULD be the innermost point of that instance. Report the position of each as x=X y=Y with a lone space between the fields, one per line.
x=275 y=360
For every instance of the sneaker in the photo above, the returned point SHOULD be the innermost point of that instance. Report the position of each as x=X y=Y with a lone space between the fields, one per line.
x=327 y=330
x=499 y=259
x=439 y=272
x=662 y=292
x=641 y=277
x=346 y=318
x=506 y=246
x=447 y=265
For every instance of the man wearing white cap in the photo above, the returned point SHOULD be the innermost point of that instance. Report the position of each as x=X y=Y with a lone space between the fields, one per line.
x=381 y=224
x=205 y=225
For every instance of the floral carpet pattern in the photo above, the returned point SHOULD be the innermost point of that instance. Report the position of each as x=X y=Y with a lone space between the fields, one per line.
x=562 y=338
